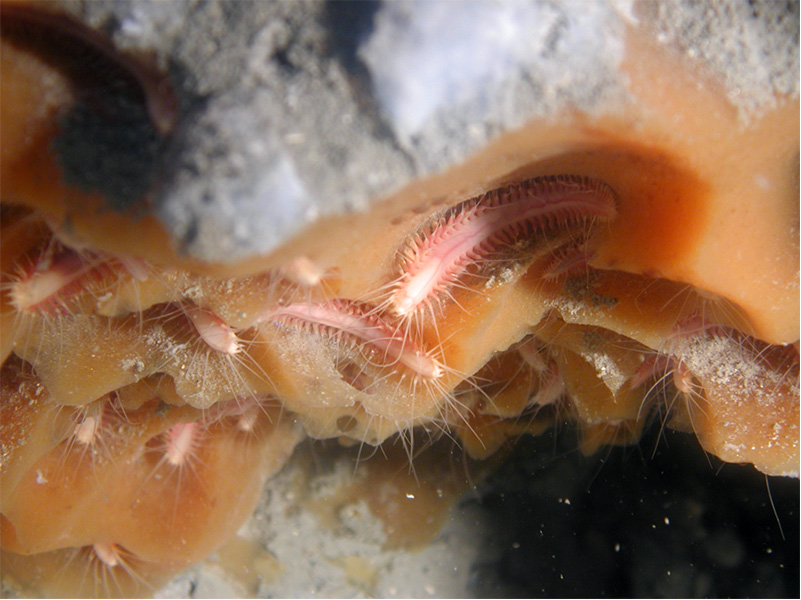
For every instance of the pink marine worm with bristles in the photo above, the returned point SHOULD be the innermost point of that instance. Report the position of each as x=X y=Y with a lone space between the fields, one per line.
x=359 y=324
x=108 y=553
x=59 y=275
x=474 y=229
x=181 y=439
x=217 y=334
x=85 y=431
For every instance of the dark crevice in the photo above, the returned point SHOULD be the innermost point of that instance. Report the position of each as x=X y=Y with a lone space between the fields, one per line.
x=350 y=24
x=110 y=149
x=660 y=519
x=113 y=136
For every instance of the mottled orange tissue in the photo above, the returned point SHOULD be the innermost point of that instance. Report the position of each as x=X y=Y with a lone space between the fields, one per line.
x=597 y=269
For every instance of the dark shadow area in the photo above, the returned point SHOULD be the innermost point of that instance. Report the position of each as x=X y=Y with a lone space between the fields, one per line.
x=112 y=136
x=348 y=25
x=634 y=522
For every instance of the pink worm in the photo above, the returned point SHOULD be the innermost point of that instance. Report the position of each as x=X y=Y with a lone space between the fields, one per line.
x=55 y=279
x=108 y=553
x=476 y=228
x=217 y=334
x=180 y=439
x=352 y=320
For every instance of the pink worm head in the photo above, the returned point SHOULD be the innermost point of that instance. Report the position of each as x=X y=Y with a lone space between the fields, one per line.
x=108 y=553
x=470 y=231
x=137 y=267
x=217 y=334
x=682 y=378
x=56 y=277
x=181 y=437
x=85 y=431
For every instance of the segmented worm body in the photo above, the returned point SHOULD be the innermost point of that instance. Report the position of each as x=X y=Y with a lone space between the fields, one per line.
x=361 y=325
x=474 y=229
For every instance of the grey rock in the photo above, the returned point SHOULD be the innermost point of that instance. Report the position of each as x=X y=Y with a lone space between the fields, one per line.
x=450 y=77
x=298 y=110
